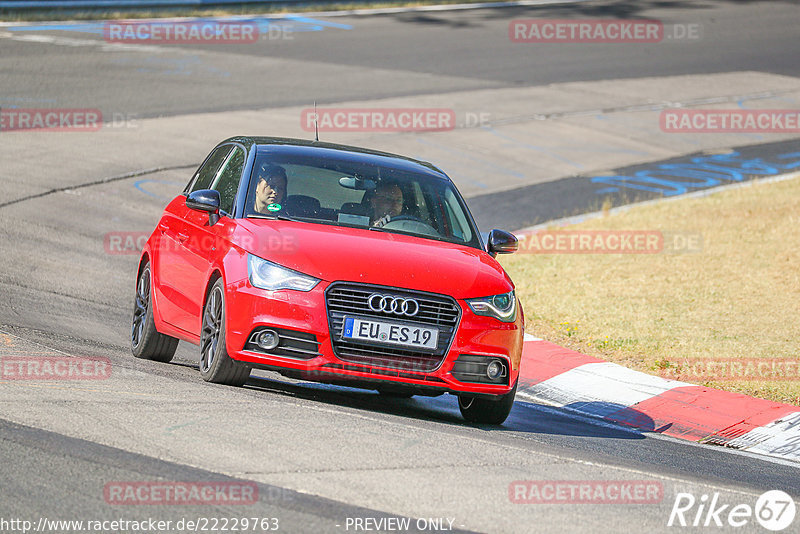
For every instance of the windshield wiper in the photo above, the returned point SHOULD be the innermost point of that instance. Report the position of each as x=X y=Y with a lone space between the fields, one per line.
x=414 y=234
x=278 y=217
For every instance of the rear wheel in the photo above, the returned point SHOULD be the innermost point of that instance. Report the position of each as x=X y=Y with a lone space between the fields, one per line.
x=147 y=342
x=484 y=411
x=215 y=364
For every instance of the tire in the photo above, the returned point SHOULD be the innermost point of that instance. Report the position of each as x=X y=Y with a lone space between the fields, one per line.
x=485 y=411
x=148 y=343
x=216 y=366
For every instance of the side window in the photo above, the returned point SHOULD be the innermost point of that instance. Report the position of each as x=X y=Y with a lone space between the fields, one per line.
x=227 y=182
x=205 y=174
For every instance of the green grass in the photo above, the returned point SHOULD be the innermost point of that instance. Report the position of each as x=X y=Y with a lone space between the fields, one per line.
x=738 y=298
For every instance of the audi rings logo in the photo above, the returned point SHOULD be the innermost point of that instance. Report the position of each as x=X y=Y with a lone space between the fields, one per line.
x=395 y=305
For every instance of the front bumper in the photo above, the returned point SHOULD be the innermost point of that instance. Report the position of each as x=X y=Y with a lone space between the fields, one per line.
x=306 y=313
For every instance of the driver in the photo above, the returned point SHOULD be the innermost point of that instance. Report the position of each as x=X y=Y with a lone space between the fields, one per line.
x=385 y=203
x=270 y=188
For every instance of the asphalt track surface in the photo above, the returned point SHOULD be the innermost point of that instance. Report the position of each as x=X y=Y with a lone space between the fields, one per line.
x=416 y=53
x=320 y=454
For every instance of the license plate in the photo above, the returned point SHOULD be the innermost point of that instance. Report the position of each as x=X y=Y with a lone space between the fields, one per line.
x=391 y=333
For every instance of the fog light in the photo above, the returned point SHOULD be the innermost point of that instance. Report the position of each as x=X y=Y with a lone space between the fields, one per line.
x=268 y=339
x=494 y=370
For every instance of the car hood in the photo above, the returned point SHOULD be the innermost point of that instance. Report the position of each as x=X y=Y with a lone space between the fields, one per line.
x=334 y=253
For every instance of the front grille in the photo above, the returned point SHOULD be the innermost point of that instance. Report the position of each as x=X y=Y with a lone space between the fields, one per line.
x=435 y=311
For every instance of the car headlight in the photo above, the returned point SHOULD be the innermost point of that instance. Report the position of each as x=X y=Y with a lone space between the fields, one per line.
x=267 y=275
x=502 y=307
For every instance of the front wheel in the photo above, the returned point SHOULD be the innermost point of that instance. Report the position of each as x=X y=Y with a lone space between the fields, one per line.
x=216 y=365
x=485 y=411
x=147 y=342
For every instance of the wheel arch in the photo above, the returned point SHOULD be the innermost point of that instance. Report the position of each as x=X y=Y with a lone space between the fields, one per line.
x=144 y=259
x=215 y=275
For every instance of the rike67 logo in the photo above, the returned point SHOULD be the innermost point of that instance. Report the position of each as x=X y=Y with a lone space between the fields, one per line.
x=774 y=510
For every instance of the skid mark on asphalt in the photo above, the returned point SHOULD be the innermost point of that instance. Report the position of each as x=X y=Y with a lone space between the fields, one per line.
x=650 y=106
x=126 y=176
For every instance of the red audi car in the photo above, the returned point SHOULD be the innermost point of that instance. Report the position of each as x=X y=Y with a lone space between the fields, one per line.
x=333 y=264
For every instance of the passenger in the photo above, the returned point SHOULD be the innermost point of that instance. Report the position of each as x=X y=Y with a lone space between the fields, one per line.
x=385 y=203
x=270 y=188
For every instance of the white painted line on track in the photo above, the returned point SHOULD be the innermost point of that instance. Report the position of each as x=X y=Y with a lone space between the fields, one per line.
x=71 y=41
x=603 y=388
x=584 y=418
x=544 y=405
x=779 y=438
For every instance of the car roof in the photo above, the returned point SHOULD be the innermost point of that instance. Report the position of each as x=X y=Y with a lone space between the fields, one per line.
x=312 y=147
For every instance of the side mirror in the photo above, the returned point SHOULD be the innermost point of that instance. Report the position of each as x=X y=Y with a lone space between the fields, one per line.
x=205 y=200
x=501 y=242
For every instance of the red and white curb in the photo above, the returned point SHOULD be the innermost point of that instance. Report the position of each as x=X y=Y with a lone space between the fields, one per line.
x=600 y=389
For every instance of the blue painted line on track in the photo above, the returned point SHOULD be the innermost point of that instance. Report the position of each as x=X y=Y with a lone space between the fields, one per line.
x=702 y=172
x=298 y=24
x=138 y=185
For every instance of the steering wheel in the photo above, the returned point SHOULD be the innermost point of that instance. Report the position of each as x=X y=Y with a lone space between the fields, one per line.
x=409 y=223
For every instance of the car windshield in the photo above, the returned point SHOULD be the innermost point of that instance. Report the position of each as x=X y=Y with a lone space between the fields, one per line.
x=355 y=193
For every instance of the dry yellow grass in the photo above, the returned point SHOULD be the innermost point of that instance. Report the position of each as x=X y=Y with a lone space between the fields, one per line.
x=737 y=298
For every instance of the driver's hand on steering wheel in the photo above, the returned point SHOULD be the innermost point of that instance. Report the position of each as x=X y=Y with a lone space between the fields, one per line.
x=382 y=221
